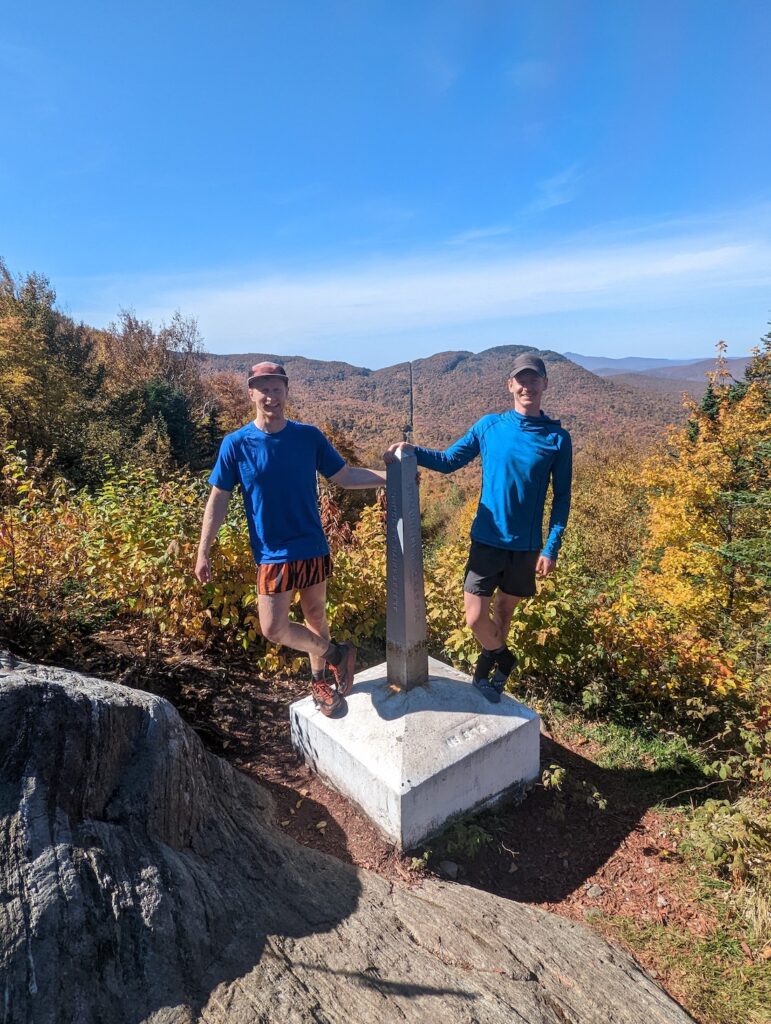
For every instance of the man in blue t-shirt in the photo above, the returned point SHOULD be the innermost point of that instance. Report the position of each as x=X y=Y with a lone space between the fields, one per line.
x=275 y=462
x=522 y=450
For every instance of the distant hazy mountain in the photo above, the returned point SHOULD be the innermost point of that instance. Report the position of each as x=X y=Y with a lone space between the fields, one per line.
x=696 y=372
x=670 y=382
x=452 y=390
x=605 y=365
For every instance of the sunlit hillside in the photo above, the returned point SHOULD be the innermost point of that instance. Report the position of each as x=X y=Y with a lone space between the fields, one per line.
x=451 y=391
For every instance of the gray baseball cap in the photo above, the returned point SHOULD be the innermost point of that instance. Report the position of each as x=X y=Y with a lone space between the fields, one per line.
x=525 y=361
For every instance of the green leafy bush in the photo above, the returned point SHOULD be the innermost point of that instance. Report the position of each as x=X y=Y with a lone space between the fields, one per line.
x=733 y=837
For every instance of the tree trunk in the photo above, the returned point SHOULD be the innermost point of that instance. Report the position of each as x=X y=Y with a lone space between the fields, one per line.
x=141 y=879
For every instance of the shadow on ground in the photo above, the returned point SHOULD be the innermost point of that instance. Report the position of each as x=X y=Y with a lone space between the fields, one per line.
x=546 y=848
x=542 y=851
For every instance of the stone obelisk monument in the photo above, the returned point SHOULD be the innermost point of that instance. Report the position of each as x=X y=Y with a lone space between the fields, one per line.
x=419 y=744
x=406 y=653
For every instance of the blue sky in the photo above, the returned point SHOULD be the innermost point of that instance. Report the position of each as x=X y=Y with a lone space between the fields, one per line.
x=371 y=181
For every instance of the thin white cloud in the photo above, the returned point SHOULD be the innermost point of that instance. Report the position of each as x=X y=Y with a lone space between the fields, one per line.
x=479 y=234
x=557 y=190
x=309 y=311
x=682 y=280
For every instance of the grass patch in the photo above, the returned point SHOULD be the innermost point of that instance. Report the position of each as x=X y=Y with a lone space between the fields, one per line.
x=711 y=975
x=724 y=976
x=629 y=747
x=623 y=747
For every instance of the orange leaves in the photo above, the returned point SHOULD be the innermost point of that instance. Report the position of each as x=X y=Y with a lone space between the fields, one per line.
x=656 y=652
x=126 y=552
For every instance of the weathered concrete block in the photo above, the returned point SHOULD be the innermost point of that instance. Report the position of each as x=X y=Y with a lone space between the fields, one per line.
x=414 y=759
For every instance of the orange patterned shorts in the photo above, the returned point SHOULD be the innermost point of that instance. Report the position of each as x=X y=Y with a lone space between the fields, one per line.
x=278 y=577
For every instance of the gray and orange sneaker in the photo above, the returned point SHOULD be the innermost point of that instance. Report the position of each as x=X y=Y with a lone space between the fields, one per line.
x=344 y=671
x=326 y=699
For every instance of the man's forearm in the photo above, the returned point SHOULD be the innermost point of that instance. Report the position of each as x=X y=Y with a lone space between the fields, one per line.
x=354 y=478
x=455 y=457
x=560 y=507
x=360 y=477
x=213 y=518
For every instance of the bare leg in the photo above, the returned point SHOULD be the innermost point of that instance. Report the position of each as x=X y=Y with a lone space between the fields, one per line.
x=273 y=610
x=313 y=601
x=503 y=611
x=486 y=629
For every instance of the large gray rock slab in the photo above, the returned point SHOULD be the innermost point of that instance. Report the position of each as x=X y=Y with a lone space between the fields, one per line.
x=141 y=880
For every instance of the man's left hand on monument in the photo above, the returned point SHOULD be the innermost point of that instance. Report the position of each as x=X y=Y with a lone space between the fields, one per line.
x=390 y=454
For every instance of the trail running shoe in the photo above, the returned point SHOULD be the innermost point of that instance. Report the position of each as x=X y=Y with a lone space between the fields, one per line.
x=484 y=666
x=505 y=663
x=327 y=700
x=488 y=691
x=344 y=672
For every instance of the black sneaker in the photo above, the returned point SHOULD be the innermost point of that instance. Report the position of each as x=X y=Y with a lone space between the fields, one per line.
x=484 y=666
x=488 y=690
x=505 y=663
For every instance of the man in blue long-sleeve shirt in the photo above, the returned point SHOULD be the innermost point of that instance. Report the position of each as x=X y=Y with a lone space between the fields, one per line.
x=521 y=451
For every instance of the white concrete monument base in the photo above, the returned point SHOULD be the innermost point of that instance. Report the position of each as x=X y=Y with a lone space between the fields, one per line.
x=414 y=759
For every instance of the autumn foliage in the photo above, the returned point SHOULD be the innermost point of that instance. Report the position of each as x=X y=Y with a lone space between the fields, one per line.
x=659 y=609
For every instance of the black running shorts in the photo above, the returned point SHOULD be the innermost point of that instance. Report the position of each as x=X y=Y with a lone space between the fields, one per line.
x=513 y=572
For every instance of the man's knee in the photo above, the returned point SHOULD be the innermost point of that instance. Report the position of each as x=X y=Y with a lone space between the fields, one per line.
x=315 y=616
x=473 y=617
x=477 y=610
x=274 y=628
x=319 y=625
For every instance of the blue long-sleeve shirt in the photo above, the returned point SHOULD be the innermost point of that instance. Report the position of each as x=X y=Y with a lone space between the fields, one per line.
x=520 y=454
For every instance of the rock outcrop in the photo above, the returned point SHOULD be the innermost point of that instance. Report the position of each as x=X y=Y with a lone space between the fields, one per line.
x=141 y=880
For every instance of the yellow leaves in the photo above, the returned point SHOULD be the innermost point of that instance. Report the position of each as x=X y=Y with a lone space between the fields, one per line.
x=693 y=514
x=664 y=650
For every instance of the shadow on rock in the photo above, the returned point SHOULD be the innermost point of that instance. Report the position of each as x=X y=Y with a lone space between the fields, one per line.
x=141 y=880
x=140 y=872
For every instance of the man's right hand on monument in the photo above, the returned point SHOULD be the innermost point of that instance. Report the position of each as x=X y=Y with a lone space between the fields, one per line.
x=389 y=455
x=203 y=568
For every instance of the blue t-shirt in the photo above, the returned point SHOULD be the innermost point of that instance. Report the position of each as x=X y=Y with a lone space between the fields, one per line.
x=520 y=455
x=277 y=474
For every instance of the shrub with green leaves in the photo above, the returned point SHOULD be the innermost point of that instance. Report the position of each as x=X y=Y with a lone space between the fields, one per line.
x=733 y=837
x=124 y=553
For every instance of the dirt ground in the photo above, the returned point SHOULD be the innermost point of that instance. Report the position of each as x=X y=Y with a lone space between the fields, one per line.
x=557 y=850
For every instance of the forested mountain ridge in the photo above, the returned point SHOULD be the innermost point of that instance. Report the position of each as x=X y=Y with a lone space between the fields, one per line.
x=694 y=373
x=134 y=393
x=451 y=391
